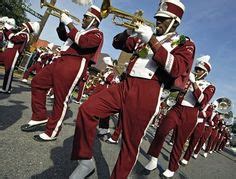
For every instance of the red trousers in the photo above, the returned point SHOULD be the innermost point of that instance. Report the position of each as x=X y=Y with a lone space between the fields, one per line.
x=215 y=141
x=181 y=118
x=130 y=98
x=223 y=143
x=211 y=140
x=62 y=76
x=9 y=57
x=81 y=86
x=37 y=67
x=205 y=136
x=116 y=134
x=194 y=139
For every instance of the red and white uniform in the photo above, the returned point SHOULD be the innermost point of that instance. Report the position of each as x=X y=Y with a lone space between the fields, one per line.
x=196 y=135
x=38 y=65
x=226 y=137
x=16 y=45
x=63 y=75
x=220 y=127
x=81 y=85
x=207 y=130
x=214 y=132
x=183 y=118
x=137 y=98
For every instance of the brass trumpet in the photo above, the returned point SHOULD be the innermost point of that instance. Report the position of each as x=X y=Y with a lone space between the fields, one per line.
x=107 y=9
x=56 y=11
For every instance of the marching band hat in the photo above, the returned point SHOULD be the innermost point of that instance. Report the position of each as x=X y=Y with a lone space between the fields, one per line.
x=94 y=11
x=32 y=27
x=203 y=63
x=171 y=9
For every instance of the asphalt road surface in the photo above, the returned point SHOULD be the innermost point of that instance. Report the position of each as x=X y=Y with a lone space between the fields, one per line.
x=22 y=157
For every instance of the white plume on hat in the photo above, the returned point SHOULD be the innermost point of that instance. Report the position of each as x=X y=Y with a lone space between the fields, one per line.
x=50 y=46
x=32 y=27
x=108 y=61
x=3 y=19
x=10 y=23
x=35 y=26
x=83 y=2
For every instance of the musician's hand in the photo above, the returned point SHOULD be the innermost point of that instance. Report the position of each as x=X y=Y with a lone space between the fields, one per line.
x=192 y=77
x=144 y=32
x=66 y=19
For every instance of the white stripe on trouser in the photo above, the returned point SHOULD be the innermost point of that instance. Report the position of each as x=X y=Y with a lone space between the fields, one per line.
x=155 y=113
x=82 y=65
x=11 y=71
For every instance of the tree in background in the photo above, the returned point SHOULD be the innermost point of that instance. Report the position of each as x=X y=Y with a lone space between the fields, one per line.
x=13 y=9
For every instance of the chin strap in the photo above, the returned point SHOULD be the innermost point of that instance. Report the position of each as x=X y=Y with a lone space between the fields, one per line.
x=169 y=27
x=200 y=77
x=90 y=24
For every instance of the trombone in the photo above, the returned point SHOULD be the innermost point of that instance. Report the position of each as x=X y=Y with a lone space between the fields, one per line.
x=107 y=9
x=56 y=11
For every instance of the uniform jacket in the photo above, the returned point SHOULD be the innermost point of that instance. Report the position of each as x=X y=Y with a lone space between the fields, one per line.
x=198 y=97
x=165 y=63
x=84 y=43
x=17 y=40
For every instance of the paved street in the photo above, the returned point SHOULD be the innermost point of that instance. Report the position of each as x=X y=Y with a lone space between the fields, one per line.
x=22 y=157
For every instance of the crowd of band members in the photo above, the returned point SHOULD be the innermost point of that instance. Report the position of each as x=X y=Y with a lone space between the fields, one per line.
x=191 y=116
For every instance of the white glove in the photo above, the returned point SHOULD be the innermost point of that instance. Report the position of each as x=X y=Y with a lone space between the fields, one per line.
x=144 y=32
x=65 y=19
x=192 y=77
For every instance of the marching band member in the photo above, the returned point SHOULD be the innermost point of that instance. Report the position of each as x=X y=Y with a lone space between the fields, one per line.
x=3 y=40
x=216 y=120
x=81 y=86
x=203 y=117
x=221 y=134
x=182 y=117
x=226 y=138
x=220 y=127
x=207 y=131
x=137 y=98
x=80 y=50
x=16 y=44
x=43 y=59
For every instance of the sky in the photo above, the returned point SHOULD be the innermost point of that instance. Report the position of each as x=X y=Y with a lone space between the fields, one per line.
x=210 y=24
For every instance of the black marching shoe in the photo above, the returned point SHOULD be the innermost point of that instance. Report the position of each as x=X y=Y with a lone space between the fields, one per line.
x=43 y=138
x=145 y=172
x=32 y=128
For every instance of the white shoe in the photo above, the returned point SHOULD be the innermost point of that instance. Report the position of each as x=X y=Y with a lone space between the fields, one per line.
x=24 y=80
x=46 y=137
x=195 y=156
x=152 y=164
x=52 y=96
x=204 y=146
x=84 y=169
x=4 y=91
x=167 y=173
x=184 y=162
x=111 y=141
x=205 y=155
x=171 y=143
x=210 y=152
